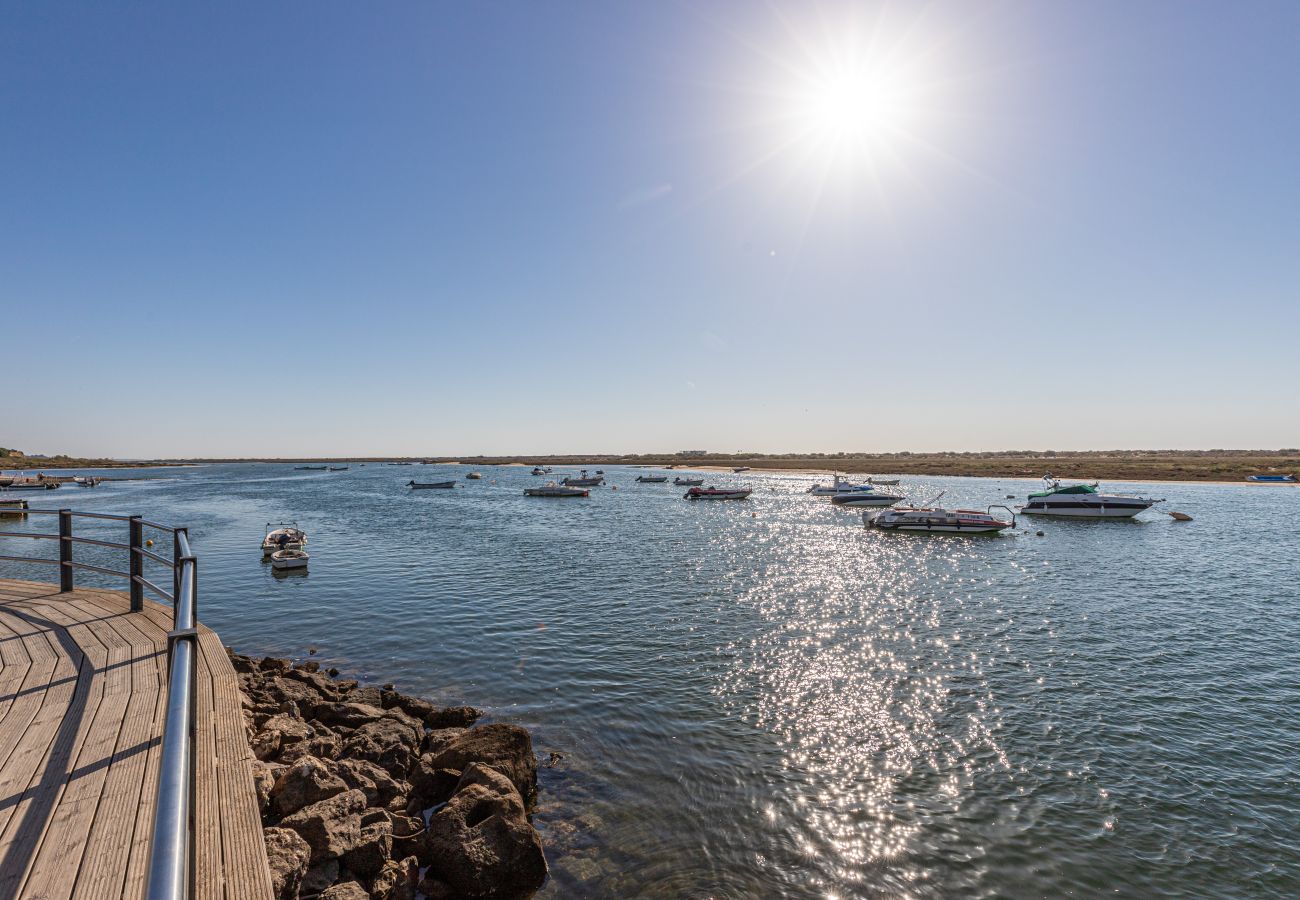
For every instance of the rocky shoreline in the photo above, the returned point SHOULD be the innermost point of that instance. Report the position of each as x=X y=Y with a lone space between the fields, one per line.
x=369 y=793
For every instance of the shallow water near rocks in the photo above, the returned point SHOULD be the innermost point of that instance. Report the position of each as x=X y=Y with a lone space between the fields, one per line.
x=764 y=699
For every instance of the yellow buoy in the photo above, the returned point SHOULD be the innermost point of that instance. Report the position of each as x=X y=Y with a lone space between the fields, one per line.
x=148 y=543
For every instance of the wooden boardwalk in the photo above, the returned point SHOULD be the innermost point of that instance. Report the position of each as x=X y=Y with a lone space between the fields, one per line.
x=82 y=700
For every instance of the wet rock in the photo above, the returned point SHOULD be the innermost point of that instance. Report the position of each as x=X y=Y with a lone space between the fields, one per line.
x=332 y=827
x=507 y=748
x=310 y=665
x=452 y=717
x=553 y=759
x=305 y=782
x=431 y=784
x=372 y=850
x=345 y=890
x=481 y=843
x=319 y=877
x=288 y=855
x=243 y=665
x=370 y=695
x=273 y=666
x=396 y=880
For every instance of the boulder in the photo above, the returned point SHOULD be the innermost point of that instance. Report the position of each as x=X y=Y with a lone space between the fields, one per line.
x=396 y=880
x=347 y=714
x=305 y=782
x=274 y=666
x=372 y=851
x=265 y=744
x=435 y=740
x=306 y=696
x=309 y=666
x=379 y=786
x=322 y=746
x=288 y=855
x=243 y=665
x=430 y=785
x=319 y=877
x=292 y=730
x=347 y=890
x=332 y=826
x=507 y=748
x=413 y=706
x=452 y=717
x=481 y=843
x=370 y=695
x=388 y=743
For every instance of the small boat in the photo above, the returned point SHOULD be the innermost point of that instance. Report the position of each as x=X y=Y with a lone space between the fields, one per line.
x=711 y=493
x=338 y=468
x=839 y=486
x=651 y=479
x=427 y=485
x=282 y=536
x=935 y=520
x=688 y=482
x=739 y=469
x=12 y=506
x=538 y=470
x=86 y=481
x=884 y=482
x=551 y=489
x=600 y=471
x=283 y=560
x=1271 y=479
x=40 y=485
x=1083 y=501
x=583 y=480
x=474 y=476
x=866 y=498
x=310 y=468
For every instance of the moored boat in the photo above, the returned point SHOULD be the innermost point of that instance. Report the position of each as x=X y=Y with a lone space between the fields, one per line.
x=310 y=468
x=282 y=536
x=884 y=482
x=427 y=485
x=1272 y=479
x=712 y=493
x=688 y=482
x=551 y=489
x=866 y=498
x=474 y=476
x=652 y=479
x=538 y=470
x=1083 y=501
x=935 y=520
x=739 y=469
x=583 y=480
x=839 y=485
x=338 y=468
x=13 y=506
x=42 y=484
x=284 y=560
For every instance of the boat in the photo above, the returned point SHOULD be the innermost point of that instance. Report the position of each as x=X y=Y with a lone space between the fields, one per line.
x=39 y=485
x=310 y=468
x=711 y=493
x=600 y=471
x=688 y=482
x=427 y=485
x=538 y=470
x=1271 y=479
x=839 y=486
x=338 y=468
x=1083 y=500
x=86 y=481
x=651 y=479
x=583 y=480
x=739 y=469
x=551 y=489
x=866 y=498
x=474 y=476
x=13 y=506
x=282 y=536
x=284 y=560
x=884 y=482
x=936 y=520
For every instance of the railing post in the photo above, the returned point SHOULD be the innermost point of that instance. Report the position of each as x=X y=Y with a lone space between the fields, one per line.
x=65 y=551
x=137 y=563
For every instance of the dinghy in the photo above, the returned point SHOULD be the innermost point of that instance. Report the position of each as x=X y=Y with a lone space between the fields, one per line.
x=426 y=485
x=282 y=536
x=1271 y=479
x=651 y=479
x=474 y=476
x=285 y=560
x=710 y=493
x=551 y=489
x=688 y=482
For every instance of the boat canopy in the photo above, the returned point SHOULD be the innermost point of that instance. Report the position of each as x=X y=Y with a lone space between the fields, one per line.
x=1072 y=489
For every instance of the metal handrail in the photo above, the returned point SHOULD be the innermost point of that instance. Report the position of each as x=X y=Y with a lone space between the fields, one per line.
x=171 y=850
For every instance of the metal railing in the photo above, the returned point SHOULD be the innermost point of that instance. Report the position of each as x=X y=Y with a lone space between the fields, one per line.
x=171 y=849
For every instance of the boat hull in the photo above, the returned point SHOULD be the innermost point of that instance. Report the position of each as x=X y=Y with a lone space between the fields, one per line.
x=1118 y=509
x=702 y=494
x=865 y=499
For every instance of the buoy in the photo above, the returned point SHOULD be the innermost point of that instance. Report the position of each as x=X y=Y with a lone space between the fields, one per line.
x=1011 y=496
x=1180 y=517
x=1040 y=534
x=148 y=543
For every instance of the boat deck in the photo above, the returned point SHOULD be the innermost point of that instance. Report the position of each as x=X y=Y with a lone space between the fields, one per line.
x=82 y=701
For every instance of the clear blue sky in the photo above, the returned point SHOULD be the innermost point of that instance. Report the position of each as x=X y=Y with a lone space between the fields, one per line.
x=339 y=227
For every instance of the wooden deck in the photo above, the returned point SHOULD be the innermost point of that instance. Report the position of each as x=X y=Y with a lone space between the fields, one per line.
x=82 y=699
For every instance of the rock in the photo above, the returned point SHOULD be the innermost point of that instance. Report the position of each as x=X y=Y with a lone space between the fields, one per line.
x=305 y=695
x=323 y=746
x=319 y=877
x=310 y=665
x=413 y=706
x=291 y=730
x=264 y=776
x=452 y=717
x=372 y=851
x=507 y=748
x=347 y=714
x=435 y=741
x=369 y=695
x=387 y=742
x=431 y=785
x=396 y=880
x=243 y=665
x=273 y=666
x=316 y=681
x=346 y=685
x=332 y=827
x=333 y=672
x=265 y=744
x=379 y=786
x=305 y=782
x=434 y=888
x=347 y=890
x=288 y=855
x=481 y=843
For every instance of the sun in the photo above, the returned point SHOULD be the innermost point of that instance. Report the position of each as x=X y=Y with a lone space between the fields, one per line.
x=853 y=110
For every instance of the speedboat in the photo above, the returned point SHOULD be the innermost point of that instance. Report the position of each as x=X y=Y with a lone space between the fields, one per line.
x=934 y=520
x=282 y=536
x=651 y=479
x=710 y=493
x=1083 y=500
x=839 y=486
x=1271 y=479
x=865 y=498
x=283 y=560
x=551 y=489
x=688 y=482
x=426 y=485
x=474 y=476
x=583 y=480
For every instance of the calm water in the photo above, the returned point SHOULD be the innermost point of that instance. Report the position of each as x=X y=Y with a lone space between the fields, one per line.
x=762 y=699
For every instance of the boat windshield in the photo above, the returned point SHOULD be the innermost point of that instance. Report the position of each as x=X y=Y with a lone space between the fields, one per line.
x=1072 y=489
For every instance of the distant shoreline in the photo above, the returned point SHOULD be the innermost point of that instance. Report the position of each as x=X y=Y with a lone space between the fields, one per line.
x=1226 y=466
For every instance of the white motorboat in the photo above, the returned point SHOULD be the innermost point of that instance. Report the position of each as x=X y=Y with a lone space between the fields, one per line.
x=839 y=486
x=538 y=470
x=866 y=498
x=551 y=489
x=711 y=493
x=285 y=560
x=474 y=476
x=282 y=536
x=688 y=482
x=1083 y=501
x=583 y=480
x=935 y=520
x=651 y=479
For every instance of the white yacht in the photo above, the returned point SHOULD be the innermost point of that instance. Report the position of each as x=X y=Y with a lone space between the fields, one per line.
x=839 y=486
x=1083 y=501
